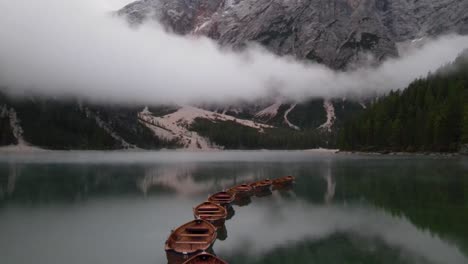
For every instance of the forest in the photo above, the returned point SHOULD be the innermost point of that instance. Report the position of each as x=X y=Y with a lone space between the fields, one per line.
x=430 y=115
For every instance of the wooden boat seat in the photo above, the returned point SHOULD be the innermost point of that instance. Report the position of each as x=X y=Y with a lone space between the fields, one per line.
x=191 y=242
x=210 y=215
x=197 y=230
x=194 y=235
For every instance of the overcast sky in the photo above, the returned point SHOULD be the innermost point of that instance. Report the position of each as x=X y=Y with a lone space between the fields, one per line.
x=75 y=47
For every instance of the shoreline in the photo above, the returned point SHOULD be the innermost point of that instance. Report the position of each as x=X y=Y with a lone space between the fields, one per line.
x=399 y=153
x=33 y=149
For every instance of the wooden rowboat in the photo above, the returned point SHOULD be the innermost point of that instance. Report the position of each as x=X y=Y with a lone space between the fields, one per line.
x=287 y=180
x=211 y=212
x=222 y=198
x=192 y=237
x=262 y=186
x=241 y=191
x=205 y=258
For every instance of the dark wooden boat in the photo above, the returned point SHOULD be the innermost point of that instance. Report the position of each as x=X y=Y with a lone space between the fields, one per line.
x=264 y=193
x=205 y=258
x=262 y=186
x=241 y=191
x=222 y=198
x=283 y=181
x=243 y=201
x=191 y=238
x=211 y=212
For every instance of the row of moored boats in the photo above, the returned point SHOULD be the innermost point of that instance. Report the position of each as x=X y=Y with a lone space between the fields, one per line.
x=191 y=242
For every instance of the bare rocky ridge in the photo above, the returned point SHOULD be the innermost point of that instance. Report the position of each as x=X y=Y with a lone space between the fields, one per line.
x=333 y=32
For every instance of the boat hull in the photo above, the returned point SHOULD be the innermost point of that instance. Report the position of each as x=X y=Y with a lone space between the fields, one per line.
x=241 y=191
x=191 y=238
x=284 y=181
x=205 y=258
x=211 y=212
x=179 y=258
x=262 y=186
x=222 y=198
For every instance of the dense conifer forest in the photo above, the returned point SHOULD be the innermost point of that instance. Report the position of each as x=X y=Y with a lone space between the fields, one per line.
x=430 y=115
x=232 y=136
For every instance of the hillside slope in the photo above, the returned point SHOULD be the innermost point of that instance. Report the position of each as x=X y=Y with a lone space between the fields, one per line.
x=430 y=115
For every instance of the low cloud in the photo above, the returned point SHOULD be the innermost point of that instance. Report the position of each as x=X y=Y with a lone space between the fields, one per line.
x=77 y=48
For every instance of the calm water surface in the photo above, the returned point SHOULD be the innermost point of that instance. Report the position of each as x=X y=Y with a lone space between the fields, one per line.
x=119 y=207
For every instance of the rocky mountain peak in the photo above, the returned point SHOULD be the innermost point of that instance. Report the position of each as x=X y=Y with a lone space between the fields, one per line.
x=333 y=32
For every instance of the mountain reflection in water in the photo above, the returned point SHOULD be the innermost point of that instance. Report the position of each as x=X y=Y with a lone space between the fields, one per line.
x=89 y=207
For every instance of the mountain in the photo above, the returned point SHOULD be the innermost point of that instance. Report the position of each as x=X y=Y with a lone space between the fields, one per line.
x=430 y=115
x=337 y=33
x=52 y=123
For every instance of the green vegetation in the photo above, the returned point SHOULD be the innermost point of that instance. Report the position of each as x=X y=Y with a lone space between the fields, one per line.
x=430 y=115
x=61 y=125
x=68 y=124
x=234 y=136
x=6 y=137
x=309 y=114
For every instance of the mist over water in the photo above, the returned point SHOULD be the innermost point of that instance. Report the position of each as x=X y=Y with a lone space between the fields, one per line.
x=79 y=48
x=87 y=207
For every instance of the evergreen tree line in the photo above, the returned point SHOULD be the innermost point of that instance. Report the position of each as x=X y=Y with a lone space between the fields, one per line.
x=231 y=135
x=430 y=115
x=63 y=124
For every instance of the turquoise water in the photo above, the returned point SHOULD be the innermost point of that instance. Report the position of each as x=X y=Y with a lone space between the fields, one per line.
x=119 y=207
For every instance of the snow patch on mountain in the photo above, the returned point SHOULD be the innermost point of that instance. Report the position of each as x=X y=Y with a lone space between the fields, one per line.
x=331 y=117
x=286 y=120
x=269 y=112
x=15 y=124
x=176 y=126
x=199 y=28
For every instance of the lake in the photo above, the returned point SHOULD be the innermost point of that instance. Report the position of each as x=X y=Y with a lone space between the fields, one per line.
x=119 y=207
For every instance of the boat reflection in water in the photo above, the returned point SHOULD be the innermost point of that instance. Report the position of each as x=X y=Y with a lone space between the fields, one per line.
x=263 y=193
x=242 y=201
x=338 y=212
x=282 y=188
x=222 y=233
x=230 y=211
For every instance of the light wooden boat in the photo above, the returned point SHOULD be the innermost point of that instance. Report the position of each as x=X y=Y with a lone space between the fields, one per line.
x=211 y=212
x=222 y=198
x=283 y=181
x=193 y=237
x=241 y=191
x=261 y=186
x=205 y=258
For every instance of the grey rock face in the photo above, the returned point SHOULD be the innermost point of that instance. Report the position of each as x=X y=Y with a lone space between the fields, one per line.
x=334 y=32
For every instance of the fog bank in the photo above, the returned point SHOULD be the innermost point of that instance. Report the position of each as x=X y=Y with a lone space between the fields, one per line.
x=77 y=48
